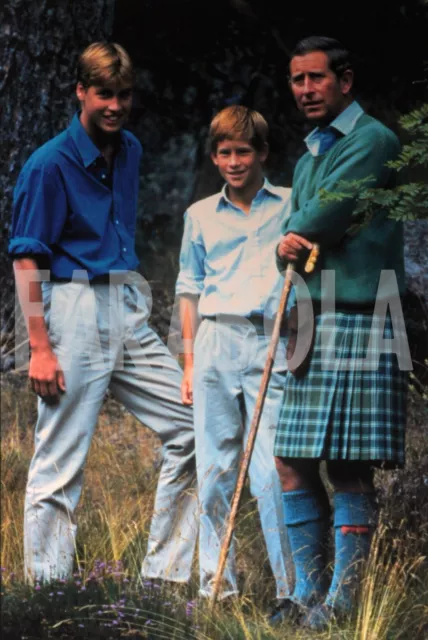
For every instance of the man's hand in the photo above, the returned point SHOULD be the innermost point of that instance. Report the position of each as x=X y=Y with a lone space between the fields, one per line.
x=291 y=246
x=45 y=374
x=187 y=386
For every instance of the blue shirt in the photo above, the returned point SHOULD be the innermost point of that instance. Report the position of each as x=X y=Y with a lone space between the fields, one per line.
x=228 y=257
x=319 y=140
x=67 y=210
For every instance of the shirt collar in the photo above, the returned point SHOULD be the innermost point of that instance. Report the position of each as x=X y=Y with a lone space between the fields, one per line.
x=224 y=200
x=320 y=140
x=346 y=121
x=88 y=151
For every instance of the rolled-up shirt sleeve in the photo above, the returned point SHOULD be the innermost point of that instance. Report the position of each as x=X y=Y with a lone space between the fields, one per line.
x=39 y=212
x=191 y=276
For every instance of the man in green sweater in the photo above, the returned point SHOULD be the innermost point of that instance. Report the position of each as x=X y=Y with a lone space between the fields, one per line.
x=349 y=408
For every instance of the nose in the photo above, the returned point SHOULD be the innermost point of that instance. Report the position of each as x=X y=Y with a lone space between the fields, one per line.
x=233 y=159
x=308 y=85
x=114 y=104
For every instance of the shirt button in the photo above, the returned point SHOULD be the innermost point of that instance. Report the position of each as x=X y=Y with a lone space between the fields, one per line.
x=124 y=249
x=117 y=221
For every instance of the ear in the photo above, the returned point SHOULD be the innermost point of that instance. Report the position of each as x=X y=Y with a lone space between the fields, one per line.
x=263 y=154
x=214 y=158
x=346 y=81
x=80 y=91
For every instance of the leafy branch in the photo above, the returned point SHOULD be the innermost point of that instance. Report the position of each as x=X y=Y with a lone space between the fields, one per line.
x=404 y=202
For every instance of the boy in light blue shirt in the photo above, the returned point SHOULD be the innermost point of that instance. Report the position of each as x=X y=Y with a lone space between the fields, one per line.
x=229 y=285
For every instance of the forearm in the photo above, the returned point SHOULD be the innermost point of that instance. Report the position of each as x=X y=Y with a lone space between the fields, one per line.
x=28 y=285
x=189 y=325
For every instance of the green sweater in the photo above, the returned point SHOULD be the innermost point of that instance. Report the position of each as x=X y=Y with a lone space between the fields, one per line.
x=357 y=260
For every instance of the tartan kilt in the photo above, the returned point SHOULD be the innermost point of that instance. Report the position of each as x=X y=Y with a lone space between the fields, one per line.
x=339 y=410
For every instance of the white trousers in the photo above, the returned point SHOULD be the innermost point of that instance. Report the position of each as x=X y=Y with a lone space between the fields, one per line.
x=102 y=340
x=229 y=362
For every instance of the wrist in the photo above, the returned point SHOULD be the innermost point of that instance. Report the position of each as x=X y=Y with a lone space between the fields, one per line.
x=40 y=346
x=188 y=360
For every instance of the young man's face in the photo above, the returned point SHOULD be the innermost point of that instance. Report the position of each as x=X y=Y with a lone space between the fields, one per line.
x=105 y=108
x=319 y=94
x=239 y=163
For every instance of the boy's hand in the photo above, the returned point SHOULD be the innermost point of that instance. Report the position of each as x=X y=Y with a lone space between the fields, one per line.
x=187 y=386
x=45 y=374
x=291 y=246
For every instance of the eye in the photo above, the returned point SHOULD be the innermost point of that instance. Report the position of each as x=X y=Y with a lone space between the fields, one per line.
x=297 y=81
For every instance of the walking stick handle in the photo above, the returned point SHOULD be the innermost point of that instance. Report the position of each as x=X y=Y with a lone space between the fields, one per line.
x=312 y=259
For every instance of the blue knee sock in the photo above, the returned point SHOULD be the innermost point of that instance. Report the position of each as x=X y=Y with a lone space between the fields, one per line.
x=306 y=516
x=354 y=521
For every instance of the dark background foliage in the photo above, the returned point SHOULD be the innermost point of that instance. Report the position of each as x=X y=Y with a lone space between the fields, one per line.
x=193 y=58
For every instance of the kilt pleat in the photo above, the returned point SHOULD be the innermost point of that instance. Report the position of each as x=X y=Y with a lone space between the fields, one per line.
x=351 y=404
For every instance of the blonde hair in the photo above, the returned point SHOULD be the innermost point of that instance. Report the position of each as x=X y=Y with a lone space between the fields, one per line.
x=104 y=63
x=238 y=121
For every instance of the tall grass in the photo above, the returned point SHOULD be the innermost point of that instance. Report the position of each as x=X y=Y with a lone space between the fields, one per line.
x=107 y=598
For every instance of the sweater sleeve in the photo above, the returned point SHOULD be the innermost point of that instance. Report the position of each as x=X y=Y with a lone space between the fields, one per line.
x=360 y=156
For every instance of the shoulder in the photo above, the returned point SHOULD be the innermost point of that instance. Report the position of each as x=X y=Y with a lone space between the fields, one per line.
x=372 y=132
x=202 y=208
x=45 y=163
x=48 y=157
x=132 y=141
x=283 y=192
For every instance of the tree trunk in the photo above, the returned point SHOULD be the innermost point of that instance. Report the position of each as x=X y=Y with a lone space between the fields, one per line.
x=41 y=40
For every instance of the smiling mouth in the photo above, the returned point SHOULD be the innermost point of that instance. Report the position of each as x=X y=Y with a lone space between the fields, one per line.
x=112 y=119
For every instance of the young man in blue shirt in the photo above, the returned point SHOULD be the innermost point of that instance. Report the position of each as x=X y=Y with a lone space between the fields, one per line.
x=228 y=280
x=74 y=215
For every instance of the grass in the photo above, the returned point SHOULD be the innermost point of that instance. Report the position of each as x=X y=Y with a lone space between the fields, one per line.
x=106 y=598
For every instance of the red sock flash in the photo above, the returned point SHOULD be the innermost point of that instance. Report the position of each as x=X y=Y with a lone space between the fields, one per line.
x=353 y=529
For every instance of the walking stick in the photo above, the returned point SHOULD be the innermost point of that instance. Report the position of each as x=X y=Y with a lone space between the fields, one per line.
x=246 y=458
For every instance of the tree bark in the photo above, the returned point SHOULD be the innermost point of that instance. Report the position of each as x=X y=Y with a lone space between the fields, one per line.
x=41 y=40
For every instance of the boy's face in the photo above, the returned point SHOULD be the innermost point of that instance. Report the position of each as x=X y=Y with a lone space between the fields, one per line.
x=239 y=163
x=105 y=108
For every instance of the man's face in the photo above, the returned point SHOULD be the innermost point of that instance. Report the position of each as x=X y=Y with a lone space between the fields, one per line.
x=105 y=108
x=239 y=163
x=319 y=94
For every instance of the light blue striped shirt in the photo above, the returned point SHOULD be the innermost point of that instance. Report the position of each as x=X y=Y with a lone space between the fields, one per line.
x=319 y=140
x=228 y=257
